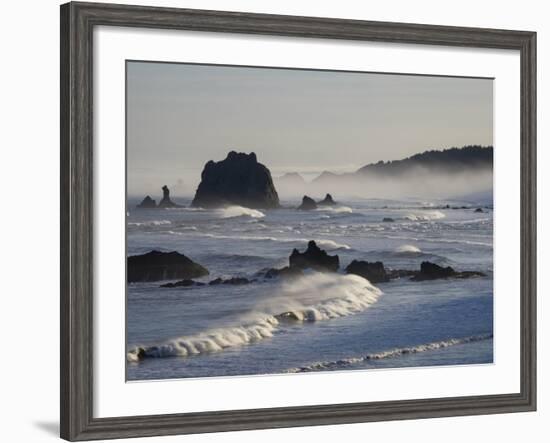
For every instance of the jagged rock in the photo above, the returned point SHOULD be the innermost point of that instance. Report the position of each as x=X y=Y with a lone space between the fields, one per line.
x=231 y=281
x=314 y=258
x=286 y=272
x=157 y=265
x=431 y=271
x=147 y=203
x=307 y=204
x=388 y=220
x=327 y=201
x=478 y=210
x=182 y=283
x=372 y=271
x=166 y=202
x=239 y=180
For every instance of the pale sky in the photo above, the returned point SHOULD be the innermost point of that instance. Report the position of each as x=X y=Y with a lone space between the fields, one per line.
x=179 y=116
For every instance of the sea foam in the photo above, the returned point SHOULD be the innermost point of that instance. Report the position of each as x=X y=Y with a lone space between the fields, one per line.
x=392 y=353
x=314 y=297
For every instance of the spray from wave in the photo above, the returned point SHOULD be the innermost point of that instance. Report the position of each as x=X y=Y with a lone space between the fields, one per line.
x=392 y=353
x=239 y=211
x=314 y=297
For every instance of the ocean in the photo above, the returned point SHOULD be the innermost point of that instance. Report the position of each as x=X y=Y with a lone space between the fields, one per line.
x=346 y=323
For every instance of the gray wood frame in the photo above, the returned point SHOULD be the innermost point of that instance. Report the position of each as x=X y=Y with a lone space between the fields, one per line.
x=77 y=24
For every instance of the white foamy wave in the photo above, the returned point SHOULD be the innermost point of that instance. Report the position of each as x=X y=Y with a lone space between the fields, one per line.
x=336 y=209
x=408 y=249
x=425 y=216
x=314 y=297
x=239 y=211
x=150 y=223
x=392 y=353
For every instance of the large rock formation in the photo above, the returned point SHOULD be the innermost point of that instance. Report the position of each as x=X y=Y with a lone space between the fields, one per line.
x=147 y=203
x=237 y=180
x=314 y=258
x=307 y=204
x=156 y=266
x=327 y=201
x=372 y=271
x=166 y=202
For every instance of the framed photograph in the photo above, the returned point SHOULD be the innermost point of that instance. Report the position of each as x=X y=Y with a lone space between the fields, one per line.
x=272 y=221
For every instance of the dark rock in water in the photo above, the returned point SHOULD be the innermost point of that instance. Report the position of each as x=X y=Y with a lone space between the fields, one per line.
x=431 y=271
x=314 y=258
x=327 y=201
x=156 y=265
x=372 y=271
x=182 y=284
x=147 y=203
x=478 y=210
x=307 y=204
x=231 y=281
x=237 y=180
x=166 y=202
x=286 y=272
x=388 y=220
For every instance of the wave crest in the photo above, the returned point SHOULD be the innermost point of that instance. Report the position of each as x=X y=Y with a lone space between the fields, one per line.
x=346 y=362
x=239 y=211
x=404 y=249
x=314 y=297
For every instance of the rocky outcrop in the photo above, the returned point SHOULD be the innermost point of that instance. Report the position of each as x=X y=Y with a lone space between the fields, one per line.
x=166 y=202
x=308 y=204
x=182 y=284
x=147 y=203
x=314 y=258
x=431 y=271
x=478 y=210
x=327 y=201
x=237 y=180
x=372 y=271
x=156 y=266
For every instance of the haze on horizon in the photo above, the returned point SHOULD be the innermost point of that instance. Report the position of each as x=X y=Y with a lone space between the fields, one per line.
x=179 y=116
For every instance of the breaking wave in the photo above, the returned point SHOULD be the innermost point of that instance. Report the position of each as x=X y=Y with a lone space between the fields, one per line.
x=239 y=211
x=408 y=249
x=425 y=216
x=392 y=353
x=314 y=297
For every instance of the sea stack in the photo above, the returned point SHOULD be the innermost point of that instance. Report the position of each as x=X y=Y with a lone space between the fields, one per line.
x=157 y=265
x=166 y=202
x=327 y=201
x=314 y=258
x=147 y=203
x=307 y=204
x=239 y=179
